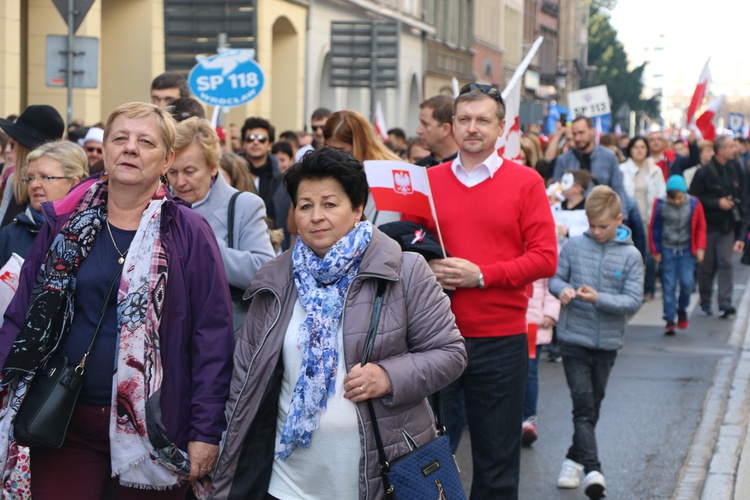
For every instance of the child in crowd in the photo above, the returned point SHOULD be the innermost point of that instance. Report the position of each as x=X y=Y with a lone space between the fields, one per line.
x=599 y=282
x=678 y=241
x=570 y=218
x=541 y=316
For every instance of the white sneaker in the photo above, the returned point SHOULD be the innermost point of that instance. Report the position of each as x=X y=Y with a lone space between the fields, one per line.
x=570 y=474
x=594 y=485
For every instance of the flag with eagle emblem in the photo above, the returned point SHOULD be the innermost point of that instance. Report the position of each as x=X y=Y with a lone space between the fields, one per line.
x=398 y=186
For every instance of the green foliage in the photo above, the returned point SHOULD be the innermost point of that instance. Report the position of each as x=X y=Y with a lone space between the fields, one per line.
x=611 y=61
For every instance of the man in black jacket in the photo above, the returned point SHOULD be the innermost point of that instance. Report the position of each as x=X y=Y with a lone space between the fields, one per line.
x=718 y=186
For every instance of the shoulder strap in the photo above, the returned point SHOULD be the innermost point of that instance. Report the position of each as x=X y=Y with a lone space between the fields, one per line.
x=102 y=312
x=230 y=217
x=369 y=342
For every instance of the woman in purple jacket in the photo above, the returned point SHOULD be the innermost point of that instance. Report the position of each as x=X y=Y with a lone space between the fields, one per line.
x=150 y=412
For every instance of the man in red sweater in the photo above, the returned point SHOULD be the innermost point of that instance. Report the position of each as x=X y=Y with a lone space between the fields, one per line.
x=497 y=226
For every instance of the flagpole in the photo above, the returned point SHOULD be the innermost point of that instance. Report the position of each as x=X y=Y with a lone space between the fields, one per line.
x=434 y=214
x=521 y=69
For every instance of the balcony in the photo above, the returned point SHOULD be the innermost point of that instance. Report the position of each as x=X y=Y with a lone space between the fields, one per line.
x=551 y=8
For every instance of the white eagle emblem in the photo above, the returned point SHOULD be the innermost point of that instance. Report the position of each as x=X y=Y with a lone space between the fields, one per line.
x=402 y=182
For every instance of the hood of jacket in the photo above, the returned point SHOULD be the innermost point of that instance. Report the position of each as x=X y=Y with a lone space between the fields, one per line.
x=30 y=219
x=624 y=236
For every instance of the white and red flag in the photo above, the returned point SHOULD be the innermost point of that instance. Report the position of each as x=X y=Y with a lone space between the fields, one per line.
x=380 y=128
x=397 y=186
x=599 y=131
x=509 y=144
x=700 y=92
x=705 y=122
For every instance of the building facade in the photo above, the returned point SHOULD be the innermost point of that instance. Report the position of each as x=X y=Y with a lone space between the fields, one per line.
x=400 y=104
x=488 y=43
x=131 y=40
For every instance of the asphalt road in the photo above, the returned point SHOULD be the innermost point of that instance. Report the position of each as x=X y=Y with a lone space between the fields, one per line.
x=653 y=406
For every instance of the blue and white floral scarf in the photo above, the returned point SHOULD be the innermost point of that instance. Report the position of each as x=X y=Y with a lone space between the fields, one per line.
x=321 y=289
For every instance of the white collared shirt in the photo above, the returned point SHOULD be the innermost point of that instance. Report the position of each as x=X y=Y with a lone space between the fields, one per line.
x=480 y=173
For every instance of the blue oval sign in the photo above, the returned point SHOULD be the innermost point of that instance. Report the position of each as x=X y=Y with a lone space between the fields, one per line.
x=230 y=78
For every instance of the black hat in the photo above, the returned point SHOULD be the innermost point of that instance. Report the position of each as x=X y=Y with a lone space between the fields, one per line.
x=39 y=123
x=412 y=237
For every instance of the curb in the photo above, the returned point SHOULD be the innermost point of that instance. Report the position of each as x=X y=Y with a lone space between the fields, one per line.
x=719 y=447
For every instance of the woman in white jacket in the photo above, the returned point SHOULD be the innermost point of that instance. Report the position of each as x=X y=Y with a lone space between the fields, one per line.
x=644 y=181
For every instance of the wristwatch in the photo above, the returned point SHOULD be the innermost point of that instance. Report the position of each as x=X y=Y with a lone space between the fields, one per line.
x=480 y=280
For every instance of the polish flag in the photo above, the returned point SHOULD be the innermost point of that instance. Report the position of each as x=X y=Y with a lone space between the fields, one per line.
x=700 y=92
x=380 y=127
x=508 y=145
x=397 y=186
x=705 y=121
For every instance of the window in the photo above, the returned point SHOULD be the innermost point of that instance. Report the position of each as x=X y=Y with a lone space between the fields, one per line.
x=193 y=27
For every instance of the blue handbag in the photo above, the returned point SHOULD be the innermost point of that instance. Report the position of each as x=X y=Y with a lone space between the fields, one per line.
x=427 y=472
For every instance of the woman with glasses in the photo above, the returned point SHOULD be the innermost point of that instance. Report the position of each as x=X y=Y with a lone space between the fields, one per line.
x=39 y=123
x=351 y=132
x=50 y=171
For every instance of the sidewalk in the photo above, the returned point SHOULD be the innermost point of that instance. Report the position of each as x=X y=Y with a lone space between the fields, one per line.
x=720 y=451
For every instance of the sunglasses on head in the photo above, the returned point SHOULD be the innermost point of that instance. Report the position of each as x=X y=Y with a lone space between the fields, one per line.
x=91 y=149
x=487 y=90
x=260 y=137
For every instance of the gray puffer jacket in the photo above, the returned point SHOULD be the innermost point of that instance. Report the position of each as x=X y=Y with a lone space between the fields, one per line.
x=615 y=270
x=417 y=344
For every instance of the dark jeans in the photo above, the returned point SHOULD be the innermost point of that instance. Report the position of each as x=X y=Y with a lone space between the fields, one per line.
x=532 y=386
x=718 y=261
x=455 y=421
x=494 y=383
x=587 y=372
x=677 y=266
x=81 y=468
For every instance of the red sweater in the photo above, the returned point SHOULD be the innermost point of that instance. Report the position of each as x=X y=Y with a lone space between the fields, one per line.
x=505 y=226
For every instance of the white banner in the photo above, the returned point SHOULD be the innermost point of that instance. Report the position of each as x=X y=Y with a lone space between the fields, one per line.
x=591 y=102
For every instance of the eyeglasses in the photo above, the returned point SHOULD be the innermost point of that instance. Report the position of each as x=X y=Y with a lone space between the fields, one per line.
x=316 y=127
x=91 y=149
x=487 y=90
x=43 y=179
x=260 y=137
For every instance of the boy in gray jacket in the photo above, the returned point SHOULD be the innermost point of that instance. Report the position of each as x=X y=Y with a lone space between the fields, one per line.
x=599 y=282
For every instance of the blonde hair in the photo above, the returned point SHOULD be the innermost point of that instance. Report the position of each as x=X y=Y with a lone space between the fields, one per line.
x=146 y=110
x=602 y=201
x=352 y=128
x=19 y=190
x=527 y=145
x=69 y=155
x=236 y=168
x=199 y=131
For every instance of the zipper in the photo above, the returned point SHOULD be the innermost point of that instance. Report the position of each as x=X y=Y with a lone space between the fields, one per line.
x=250 y=366
x=599 y=289
x=356 y=407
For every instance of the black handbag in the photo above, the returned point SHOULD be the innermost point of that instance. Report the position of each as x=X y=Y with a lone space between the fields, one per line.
x=429 y=471
x=43 y=418
x=239 y=305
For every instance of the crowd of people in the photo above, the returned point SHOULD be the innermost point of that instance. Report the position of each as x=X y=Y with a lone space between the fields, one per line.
x=217 y=285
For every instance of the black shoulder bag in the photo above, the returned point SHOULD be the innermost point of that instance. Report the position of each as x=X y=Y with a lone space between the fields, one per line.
x=428 y=471
x=239 y=306
x=43 y=418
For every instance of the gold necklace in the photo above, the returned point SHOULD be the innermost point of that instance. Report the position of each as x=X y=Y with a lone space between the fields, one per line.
x=121 y=260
